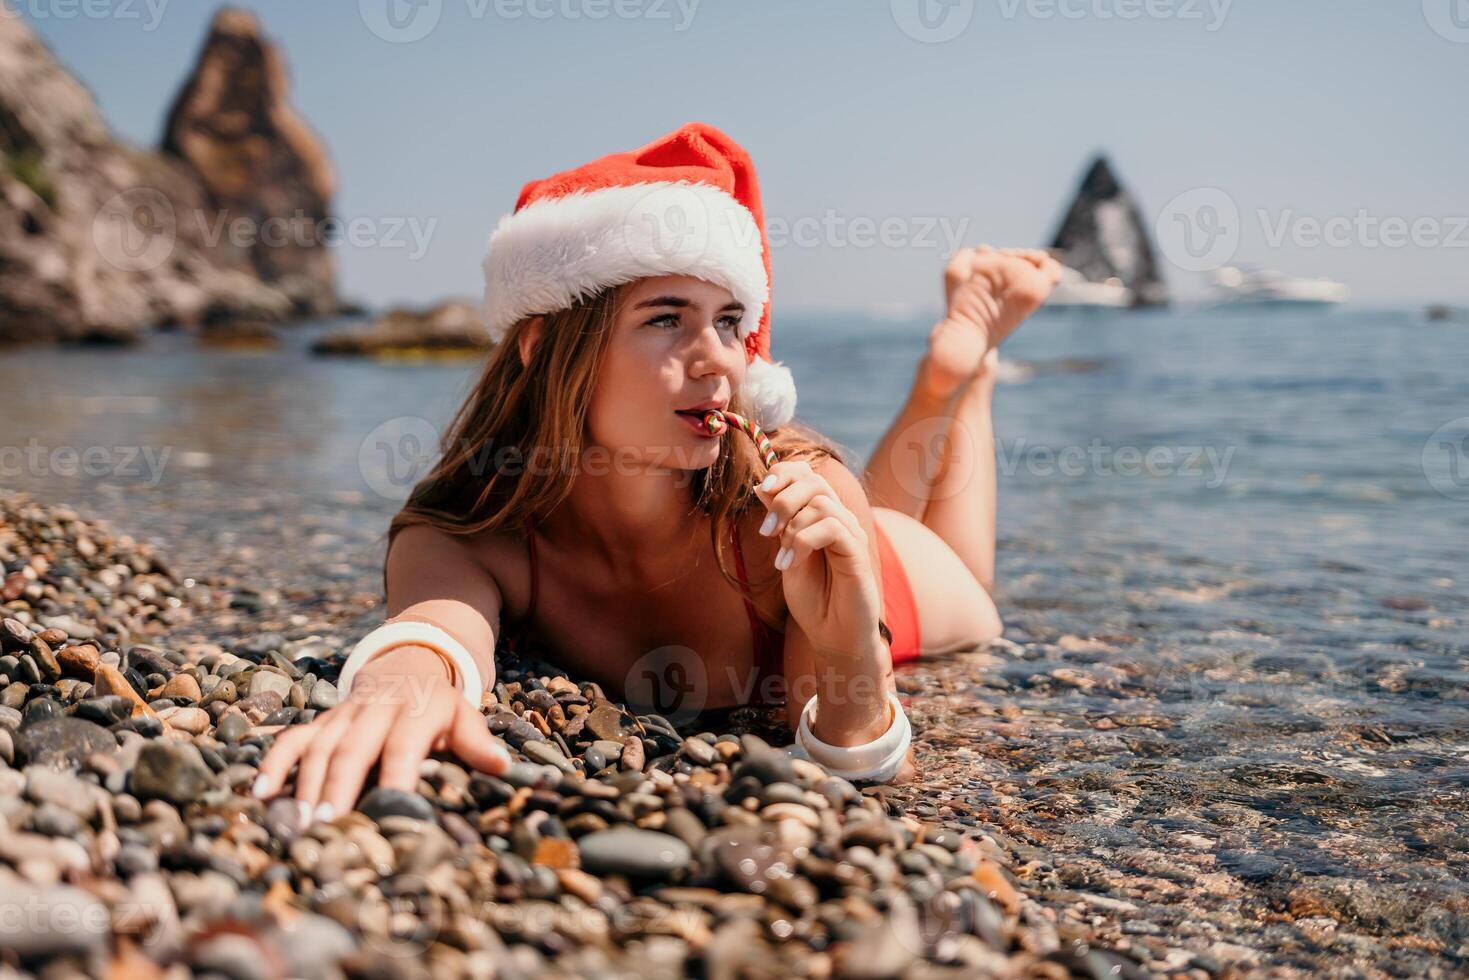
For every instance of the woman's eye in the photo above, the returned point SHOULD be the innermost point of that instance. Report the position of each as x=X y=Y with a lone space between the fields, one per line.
x=731 y=322
x=666 y=320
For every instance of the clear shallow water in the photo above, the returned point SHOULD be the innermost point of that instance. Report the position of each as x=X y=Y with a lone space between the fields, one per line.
x=1276 y=458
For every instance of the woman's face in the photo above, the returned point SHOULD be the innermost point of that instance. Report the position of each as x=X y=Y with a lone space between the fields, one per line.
x=675 y=345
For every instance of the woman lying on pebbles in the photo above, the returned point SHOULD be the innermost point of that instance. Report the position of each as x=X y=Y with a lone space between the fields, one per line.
x=629 y=301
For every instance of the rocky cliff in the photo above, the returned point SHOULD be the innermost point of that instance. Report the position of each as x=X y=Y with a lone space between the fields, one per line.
x=1103 y=236
x=100 y=240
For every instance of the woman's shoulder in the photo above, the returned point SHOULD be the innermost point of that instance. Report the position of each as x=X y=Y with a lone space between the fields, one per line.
x=498 y=553
x=504 y=553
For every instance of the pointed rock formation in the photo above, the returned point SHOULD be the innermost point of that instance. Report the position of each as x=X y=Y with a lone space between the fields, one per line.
x=1103 y=236
x=100 y=240
x=257 y=160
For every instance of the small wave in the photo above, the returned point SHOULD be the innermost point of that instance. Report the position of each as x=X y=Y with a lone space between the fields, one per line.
x=1013 y=371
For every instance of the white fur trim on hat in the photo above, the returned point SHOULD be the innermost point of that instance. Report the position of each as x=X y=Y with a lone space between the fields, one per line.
x=558 y=250
x=770 y=391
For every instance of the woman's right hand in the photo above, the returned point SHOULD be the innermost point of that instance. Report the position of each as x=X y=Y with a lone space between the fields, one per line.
x=401 y=707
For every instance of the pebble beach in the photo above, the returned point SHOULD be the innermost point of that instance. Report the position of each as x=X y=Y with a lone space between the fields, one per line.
x=615 y=845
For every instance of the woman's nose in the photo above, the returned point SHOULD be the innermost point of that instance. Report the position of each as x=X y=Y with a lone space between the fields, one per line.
x=710 y=353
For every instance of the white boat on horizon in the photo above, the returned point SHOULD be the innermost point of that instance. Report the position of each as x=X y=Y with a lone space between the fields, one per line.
x=1241 y=285
x=1076 y=291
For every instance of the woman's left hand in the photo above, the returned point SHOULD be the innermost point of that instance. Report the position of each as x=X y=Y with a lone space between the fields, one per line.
x=829 y=582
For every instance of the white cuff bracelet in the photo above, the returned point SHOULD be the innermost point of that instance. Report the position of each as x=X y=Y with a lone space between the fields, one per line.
x=877 y=760
x=390 y=635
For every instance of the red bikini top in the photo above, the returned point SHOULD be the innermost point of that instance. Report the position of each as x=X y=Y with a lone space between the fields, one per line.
x=769 y=642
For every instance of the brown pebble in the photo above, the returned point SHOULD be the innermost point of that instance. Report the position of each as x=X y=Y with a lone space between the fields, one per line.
x=78 y=661
x=580 y=884
x=994 y=883
x=605 y=721
x=181 y=686
x=107 y=679
x=632 y=754
x=556 y=852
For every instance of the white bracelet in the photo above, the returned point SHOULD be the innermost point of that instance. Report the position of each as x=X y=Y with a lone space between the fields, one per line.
x=877 y=760
x=390 y=635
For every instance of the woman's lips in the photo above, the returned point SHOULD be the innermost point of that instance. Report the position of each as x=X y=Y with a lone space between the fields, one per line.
x=696 y=422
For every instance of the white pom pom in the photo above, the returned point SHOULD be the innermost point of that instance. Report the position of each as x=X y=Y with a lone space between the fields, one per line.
x=770 y=391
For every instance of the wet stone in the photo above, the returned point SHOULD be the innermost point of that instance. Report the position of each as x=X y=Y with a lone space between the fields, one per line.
x=635 y=853
x=61 y=742
x=383 y=802
x=605 y=722
x=172 y=771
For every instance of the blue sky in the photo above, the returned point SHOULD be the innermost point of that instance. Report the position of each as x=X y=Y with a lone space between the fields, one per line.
x=1334 y=130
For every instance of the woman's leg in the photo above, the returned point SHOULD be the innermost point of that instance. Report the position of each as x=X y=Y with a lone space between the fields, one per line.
x=962 y=507
x=908 y=460
x=936 y=462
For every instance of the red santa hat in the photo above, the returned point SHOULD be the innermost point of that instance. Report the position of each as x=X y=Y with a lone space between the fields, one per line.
x=685 y=204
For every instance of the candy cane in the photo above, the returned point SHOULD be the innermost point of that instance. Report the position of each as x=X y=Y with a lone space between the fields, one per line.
x=717 y=422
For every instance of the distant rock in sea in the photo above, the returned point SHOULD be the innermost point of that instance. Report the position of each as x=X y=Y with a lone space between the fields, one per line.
x=1103 y=236
x=100 y=240
x=1443 y=313
x=449 y=328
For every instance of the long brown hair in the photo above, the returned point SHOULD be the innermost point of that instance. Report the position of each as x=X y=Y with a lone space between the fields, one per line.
x=518 y=413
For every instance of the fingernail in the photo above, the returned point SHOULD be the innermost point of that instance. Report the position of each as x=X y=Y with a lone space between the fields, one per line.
x=783 y=558
x=325 y=812
x=769 y=482
x=303 y=810
x=257 y=788
x=769 y=524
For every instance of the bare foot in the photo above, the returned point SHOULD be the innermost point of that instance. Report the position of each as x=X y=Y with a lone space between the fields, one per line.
x=989 y=293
